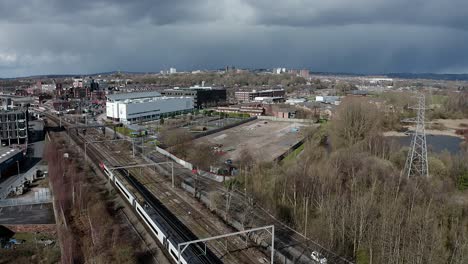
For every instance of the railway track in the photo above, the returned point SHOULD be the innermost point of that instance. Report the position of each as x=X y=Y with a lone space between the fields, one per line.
x=147 y=243
x=189 y=211
x=180 y=229
x=147 y=186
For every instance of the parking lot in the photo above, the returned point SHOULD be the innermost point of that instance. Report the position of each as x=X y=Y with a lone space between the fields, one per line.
x=265 y=140
x=27 y=214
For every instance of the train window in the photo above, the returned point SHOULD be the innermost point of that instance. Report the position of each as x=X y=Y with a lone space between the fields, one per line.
x=174 y=254
x=147 y=221
x=123 y=191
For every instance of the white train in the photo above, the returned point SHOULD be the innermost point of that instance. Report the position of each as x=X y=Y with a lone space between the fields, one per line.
x=168 y=231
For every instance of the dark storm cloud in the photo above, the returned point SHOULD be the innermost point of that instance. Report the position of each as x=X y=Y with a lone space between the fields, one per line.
x=58 y=36
x=443 y=13
x=100 y=12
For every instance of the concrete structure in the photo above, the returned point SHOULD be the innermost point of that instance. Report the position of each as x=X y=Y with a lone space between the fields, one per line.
x=249 y=96
x=328 y=99
x=145 y=106
x=77 y=82
x=8 y=160
x=36 y=130
x=293 y=101
x=13 y=127
x=9 y=102
x=172 y=70
x=279 y=70
x=269 y=100
x=202 y=96
x=250 y=110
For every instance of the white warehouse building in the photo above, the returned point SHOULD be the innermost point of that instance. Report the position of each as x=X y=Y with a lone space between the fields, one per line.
x=145 y=106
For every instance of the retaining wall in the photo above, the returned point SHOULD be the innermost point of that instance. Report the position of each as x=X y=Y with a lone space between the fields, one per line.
x=210 y=132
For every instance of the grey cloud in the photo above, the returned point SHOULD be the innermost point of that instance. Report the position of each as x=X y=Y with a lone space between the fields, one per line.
x=449 y=13
x=55 y=36
x=102 y=12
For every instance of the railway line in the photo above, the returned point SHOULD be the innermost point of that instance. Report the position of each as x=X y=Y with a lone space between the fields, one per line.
x=148 y=186
x=189 y=211
x=168 y=223
x=290 y=243
x=148 y=244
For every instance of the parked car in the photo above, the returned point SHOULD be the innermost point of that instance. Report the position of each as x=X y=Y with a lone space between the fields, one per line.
x=318 y=258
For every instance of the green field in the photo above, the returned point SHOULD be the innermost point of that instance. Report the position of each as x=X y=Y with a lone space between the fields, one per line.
x=294 y=153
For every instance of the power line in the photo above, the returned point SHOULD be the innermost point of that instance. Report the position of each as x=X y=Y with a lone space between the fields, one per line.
x=416 y=162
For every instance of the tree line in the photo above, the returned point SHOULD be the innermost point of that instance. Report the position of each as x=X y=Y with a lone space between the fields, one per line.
x=346 y=191
x=88 y=225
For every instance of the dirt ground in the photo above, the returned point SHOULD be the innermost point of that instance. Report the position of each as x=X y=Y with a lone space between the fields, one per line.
x=266 y=140
x=449 y=127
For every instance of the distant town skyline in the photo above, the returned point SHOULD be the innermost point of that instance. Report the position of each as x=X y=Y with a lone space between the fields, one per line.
x=77 y=37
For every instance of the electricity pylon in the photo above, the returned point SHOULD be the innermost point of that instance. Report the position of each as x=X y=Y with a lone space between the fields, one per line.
x=416 y=162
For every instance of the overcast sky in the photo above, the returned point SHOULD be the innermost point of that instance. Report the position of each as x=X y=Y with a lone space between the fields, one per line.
x=361 y=36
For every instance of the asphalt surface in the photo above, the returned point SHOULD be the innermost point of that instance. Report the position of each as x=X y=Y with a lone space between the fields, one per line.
x=27 y=214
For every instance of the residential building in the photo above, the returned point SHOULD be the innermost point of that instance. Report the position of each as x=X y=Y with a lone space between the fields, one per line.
x=304 y=74
x=284 y=113
x=249 y=96
x=77 y=82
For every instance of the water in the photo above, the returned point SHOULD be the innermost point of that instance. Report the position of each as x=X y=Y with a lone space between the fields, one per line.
x=435 y=143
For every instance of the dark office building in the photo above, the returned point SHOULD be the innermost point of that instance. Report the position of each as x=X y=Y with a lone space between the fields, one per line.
x=94 y=85
x=202 y=96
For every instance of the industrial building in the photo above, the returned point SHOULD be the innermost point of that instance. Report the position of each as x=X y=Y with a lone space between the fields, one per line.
x=9 y=157
x=13 y=127
x=249 y=96
x=328 y=99
x=9 y=102
x=145 y=106
x=202 y=96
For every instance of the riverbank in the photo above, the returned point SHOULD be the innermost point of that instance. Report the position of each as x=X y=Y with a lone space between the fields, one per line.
x=445 y=127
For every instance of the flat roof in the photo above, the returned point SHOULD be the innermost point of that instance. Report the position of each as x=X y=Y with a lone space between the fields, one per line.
x=7 y=153
x=151 y=99
x=262 y=91
x=195 y=88
x=137 y=95
x=15 y=111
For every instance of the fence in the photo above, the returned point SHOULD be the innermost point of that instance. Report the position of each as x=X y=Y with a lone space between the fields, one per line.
x=41 y=197
x=184 y=163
